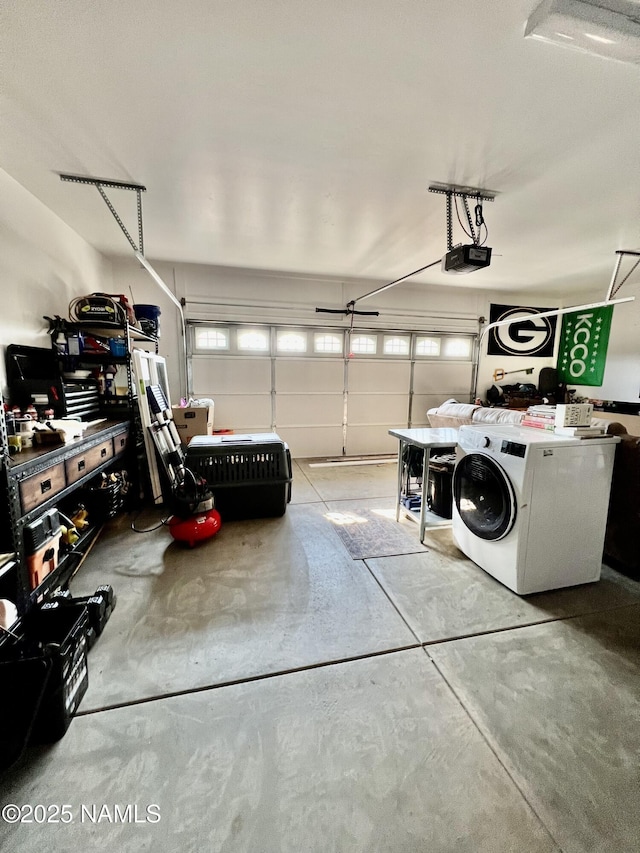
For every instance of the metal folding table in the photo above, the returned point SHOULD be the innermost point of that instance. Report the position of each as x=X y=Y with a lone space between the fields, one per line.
x=426 y=439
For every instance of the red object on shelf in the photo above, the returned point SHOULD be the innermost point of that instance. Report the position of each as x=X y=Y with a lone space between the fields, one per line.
x=196 y=528
x=45 y=559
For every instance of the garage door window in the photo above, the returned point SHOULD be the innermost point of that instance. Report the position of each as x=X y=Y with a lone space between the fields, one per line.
x=323 y=342
x=212 y=339
x=428 y=347
x=457 y=348
x=364 y=344
x=253 y=340
x=396 y=345
x=291 y=342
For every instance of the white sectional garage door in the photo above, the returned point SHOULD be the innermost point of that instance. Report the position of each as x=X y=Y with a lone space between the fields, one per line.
x=327 y=392
x=309 y=404
x=378 y=399
x=240 y=387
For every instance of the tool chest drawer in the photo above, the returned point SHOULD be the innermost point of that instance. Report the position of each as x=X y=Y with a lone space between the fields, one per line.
x=82 y=463
x=120 y=443
x=42 y=486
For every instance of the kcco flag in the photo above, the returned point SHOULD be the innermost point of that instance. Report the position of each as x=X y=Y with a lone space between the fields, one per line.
x=583 y=346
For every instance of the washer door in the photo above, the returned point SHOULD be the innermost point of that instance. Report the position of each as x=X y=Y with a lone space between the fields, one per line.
x=484 y=497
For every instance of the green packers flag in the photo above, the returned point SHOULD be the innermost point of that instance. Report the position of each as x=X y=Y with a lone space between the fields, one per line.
x=583 y=346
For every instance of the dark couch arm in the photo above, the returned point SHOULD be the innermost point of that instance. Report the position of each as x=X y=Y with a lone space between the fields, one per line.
x=621 y=546
x=614 y=428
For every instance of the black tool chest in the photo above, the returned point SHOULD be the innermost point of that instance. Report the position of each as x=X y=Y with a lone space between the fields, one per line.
x=43 y=655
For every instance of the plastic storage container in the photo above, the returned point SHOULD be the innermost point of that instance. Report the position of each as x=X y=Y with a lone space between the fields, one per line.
x=148 y=317
x=118 y=347
x=439 y=485
x=249 y=475
x=44 y=675
x=63 y=635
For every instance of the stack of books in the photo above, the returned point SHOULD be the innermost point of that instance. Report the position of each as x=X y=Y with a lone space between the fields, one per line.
x=580 y=431
x=574 y=414
x=540 y=417
x=549 y=418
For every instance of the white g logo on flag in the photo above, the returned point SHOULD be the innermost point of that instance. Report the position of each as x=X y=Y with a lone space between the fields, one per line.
x=526 y=335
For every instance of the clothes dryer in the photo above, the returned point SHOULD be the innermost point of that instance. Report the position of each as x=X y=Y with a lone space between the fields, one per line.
x=530 y=507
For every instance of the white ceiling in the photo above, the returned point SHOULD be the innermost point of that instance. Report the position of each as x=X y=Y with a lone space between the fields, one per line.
x=302 y=135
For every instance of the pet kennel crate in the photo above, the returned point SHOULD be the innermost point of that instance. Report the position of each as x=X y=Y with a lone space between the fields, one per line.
x=249 y=475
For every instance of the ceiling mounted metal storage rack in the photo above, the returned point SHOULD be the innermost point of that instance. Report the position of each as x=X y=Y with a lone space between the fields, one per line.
x=47 y=478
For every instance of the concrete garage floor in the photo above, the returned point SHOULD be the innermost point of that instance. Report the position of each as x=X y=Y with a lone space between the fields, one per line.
x=268 y=692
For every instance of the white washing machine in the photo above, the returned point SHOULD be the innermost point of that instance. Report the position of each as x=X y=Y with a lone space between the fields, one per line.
x=530 y=507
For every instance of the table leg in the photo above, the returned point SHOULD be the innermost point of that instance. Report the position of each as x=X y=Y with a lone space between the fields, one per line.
x=400 y=475
x=423 y=499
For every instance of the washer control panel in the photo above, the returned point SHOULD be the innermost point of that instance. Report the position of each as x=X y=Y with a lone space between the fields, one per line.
x=513 y=448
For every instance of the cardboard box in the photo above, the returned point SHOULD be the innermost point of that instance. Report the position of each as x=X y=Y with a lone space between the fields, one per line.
x=193 y=420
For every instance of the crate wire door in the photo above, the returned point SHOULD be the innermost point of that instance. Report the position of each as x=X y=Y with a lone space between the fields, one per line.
x=150 y=369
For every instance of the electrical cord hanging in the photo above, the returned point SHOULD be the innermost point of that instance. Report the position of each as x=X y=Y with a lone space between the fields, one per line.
x=480 y=221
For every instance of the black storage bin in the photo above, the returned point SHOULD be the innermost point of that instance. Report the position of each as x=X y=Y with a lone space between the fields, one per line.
x=44 y=677
x=249 y=475
x=104 y=501
x=24 y=676
x=440 y=484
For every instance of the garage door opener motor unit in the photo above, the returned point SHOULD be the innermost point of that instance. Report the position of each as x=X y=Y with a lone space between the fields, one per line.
x=469 y=257
x=464 y=259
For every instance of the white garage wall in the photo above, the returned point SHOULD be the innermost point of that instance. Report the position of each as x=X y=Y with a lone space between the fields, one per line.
x=43 y=265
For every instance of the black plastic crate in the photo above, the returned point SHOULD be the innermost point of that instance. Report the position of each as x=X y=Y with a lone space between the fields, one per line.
x=104 y=501
x=24 y=676
x=44 y=671
x=63 y=635
x=249 y=475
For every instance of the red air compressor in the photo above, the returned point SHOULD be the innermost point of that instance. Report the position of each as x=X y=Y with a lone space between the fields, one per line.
x=194 y=519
